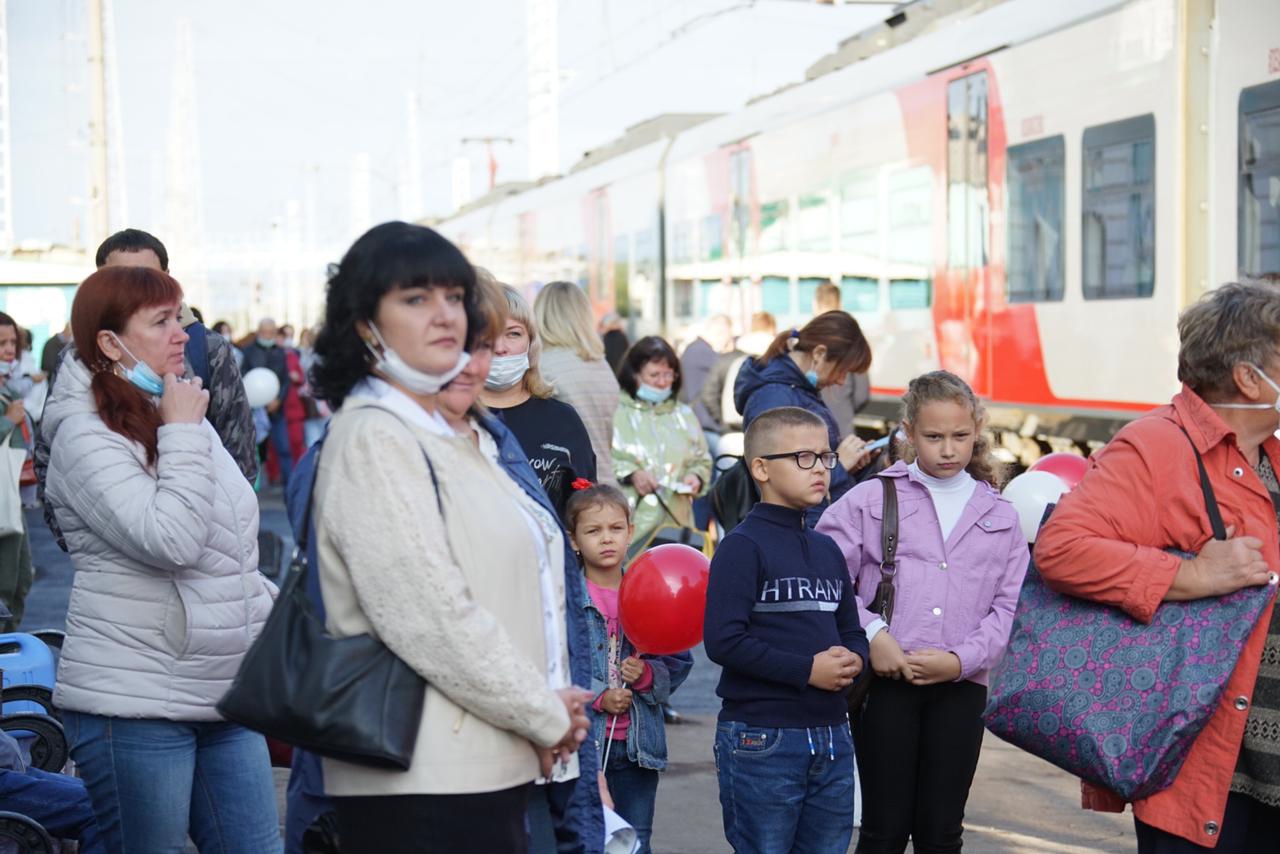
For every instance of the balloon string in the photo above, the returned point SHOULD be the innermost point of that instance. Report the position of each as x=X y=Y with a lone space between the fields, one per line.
x=604 y=764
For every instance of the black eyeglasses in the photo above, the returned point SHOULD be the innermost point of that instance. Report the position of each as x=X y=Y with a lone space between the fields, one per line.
x=806 y=459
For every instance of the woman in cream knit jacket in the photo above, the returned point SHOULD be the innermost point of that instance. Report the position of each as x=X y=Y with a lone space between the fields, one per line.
x=404 y=555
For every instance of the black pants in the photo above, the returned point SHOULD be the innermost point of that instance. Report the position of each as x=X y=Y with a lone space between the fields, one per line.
x=917 y=752
x=441 y=824
x=1247 y=828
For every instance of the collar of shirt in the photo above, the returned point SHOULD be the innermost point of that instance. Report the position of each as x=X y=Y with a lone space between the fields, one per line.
x=375 y=388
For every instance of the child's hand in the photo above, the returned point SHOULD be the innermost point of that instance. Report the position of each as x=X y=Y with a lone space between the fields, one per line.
x=887 y=659
x=834 y=669
x=931 y=666
x=616 y=701
x=631 y=669
x=15 y=412
x=605 y=797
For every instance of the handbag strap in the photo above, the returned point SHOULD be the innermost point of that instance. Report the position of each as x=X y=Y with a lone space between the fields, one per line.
x=889 y=532
x=1210 y=501
x=300 y=548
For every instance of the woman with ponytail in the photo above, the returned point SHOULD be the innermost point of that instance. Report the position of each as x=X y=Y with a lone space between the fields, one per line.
x=163 y=533
x=794 y=370
x=960 y=562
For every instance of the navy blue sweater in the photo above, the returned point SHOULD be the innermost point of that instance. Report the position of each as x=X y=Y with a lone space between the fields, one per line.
x=779 y=594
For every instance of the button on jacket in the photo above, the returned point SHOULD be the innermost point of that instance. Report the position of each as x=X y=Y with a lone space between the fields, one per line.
x=958 y=595
x=1106 y=542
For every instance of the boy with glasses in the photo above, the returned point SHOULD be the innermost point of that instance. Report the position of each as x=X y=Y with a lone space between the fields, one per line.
x=782 y=621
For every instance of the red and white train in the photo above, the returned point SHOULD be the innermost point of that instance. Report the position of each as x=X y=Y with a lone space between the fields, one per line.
x=1023 y=192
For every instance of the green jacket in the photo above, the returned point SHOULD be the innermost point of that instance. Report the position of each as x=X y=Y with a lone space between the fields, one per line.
x=665 y=440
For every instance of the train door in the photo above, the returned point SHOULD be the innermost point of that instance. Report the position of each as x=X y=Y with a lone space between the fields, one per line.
x=968 y=228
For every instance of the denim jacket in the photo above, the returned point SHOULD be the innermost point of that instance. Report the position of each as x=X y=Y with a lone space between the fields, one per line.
x=647 y=737
x=585 y=813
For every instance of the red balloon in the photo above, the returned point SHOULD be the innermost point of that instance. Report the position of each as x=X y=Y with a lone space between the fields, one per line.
x=1069 y=467
x=663 y=597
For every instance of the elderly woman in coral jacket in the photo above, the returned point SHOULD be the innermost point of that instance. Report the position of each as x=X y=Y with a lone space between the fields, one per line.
x=1106 y=542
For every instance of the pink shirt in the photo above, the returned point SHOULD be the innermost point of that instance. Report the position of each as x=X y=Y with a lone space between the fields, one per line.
x=606 y=602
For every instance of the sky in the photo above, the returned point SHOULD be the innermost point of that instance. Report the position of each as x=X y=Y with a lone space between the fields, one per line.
x=285 y=96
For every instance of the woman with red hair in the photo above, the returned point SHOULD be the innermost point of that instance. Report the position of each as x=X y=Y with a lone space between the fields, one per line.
x=163 y=533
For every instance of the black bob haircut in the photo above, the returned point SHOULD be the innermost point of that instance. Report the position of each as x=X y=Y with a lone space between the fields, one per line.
x=391 y=256
x=131 y=240
x=641 y=353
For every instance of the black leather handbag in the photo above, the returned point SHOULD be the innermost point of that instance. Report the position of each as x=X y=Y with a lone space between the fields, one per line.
x=882 y=603
x=347 y=698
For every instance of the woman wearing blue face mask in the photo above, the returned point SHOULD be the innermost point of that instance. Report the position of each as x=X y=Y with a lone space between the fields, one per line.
x=550 y=431
x=796 y=367
x=659 y=450
x=162 y=529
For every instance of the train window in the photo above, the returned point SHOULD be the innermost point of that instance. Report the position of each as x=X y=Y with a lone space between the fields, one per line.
x=859 y=293
x=813 y=224
x=860 y=215
x=967 y=179
x=910 y=221
x=622 y=262
x=1036 y=186
x=773 y=226
x=682 y=298
x=740 y=175
x=775 y=295
x=1119 y=209
x=711 y=247
x=1259 y=189
x=706 y=297
x=910 y=293
x=682 y=242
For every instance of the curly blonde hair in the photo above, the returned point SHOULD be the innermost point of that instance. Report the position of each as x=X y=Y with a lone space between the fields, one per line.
x=944 y=386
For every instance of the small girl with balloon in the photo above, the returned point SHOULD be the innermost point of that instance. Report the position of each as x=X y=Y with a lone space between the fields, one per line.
x=961 y=557
x=630 y=686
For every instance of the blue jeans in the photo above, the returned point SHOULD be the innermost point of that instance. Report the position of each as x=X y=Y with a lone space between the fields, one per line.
x=785 y=790
x=154 y=782
x=280 y=440
x=57 y=801
x=635 y=792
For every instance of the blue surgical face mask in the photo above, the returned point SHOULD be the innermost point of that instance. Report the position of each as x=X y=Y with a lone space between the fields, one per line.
x=812 y=377
x=140 y=374
x=649 y=394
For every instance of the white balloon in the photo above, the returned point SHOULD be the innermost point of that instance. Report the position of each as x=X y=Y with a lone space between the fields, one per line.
x=1030 y=493
x=261 y=386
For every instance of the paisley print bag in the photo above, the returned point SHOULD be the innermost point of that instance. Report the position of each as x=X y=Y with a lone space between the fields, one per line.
x=1112 y=700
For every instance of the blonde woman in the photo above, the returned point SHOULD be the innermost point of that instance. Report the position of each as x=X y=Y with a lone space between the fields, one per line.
x=573 y=363
x=550 y=431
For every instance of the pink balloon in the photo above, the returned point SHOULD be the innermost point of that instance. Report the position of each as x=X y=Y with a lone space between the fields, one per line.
x=1069 y=467
x=663 y=597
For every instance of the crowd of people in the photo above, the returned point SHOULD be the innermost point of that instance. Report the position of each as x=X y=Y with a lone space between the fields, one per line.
x=472 y=475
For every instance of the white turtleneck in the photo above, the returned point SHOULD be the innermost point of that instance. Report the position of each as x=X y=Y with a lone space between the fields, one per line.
x=949 y=494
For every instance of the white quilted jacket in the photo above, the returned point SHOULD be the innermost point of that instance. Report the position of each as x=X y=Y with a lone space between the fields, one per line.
x=167 y=595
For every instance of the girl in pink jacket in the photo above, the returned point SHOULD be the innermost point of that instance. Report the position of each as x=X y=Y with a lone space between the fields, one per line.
x=961 y=558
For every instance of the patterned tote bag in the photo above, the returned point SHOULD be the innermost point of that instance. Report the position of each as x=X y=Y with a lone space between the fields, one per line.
x=1112 y=700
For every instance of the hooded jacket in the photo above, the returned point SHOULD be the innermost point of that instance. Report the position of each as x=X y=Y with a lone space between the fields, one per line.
x=167 y=596
x=760 y=388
